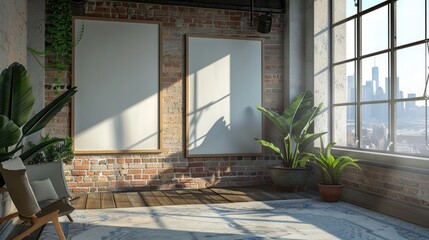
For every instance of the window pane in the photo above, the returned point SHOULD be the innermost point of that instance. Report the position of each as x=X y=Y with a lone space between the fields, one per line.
x=375 y=127
x=344 y=83
x=411 y=128
x=344 y=41
x=370 y=3
x=344 y=130
x=410 y=28
x=411 y=72
x=375 y=72
x=344 y=9
x=375 y=31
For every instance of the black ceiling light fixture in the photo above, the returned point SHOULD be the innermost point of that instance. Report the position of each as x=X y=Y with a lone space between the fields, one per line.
x=264 y=25
x=77 y=7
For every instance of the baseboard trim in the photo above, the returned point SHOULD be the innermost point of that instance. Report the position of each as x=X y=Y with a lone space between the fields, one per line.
x=409 y=213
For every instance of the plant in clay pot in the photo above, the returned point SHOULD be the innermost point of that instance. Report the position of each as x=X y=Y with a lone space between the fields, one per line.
x=331 y=167
x=294 y=124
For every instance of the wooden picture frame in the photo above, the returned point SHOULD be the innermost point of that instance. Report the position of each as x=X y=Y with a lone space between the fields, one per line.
x=116 y=67
x=224 y=82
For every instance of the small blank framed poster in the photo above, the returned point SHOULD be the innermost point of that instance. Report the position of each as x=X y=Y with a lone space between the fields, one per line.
x=116 y=66
x=223 y=87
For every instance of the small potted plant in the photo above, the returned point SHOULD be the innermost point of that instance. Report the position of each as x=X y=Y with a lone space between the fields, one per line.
x=294 y=124
x=330 y=188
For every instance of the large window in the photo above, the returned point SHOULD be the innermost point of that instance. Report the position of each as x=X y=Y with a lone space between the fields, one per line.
x=379 y=71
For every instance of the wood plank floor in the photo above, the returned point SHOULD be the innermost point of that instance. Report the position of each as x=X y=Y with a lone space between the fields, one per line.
x=172 y=197
x=180 y=197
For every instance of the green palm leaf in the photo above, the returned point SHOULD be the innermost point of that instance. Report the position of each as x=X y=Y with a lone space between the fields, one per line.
x=301 y=126
x=16 y=94
x=301 y=103
x=275 y=118
x=270 y=145
x=9 y=132
x=8 y=155
x=308 y=139
x=41 y=119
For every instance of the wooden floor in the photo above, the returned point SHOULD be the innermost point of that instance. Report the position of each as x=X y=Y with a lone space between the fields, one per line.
x=172 y=197
x=180 y=197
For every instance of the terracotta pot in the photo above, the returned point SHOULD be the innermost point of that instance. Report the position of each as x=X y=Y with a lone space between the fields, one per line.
x=290 y=179
x=330 y=193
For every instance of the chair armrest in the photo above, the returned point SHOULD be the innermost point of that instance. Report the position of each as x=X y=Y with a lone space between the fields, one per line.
x=10 y=216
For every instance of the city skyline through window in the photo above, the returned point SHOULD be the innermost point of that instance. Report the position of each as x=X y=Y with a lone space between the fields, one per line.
x=372 y=41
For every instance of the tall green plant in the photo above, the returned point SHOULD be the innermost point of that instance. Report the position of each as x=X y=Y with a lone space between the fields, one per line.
x=294 y=124
x=16 y=103
x=331 y=166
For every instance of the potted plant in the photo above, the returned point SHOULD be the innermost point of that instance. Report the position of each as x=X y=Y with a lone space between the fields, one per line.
x=294 y=124
x=331 y=167
x=16 y=103
x=59 y=151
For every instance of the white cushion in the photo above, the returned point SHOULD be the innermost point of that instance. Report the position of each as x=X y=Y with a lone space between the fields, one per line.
x=44 y=190
x=13 y=164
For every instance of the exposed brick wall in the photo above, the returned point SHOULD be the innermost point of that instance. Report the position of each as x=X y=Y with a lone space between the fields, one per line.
x=170 y=169
x=399 y=185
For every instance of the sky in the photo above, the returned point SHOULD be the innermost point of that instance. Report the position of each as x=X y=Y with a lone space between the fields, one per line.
x=411 y=62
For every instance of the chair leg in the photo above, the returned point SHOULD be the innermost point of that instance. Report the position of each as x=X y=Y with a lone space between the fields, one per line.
x=39 y=222
x=58 y=228
x=29 y=230
x=70 y=218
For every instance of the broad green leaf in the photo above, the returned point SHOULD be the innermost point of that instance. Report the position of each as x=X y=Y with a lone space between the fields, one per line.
x=309 y=138
x=329 y=148
x=9 y=132
x=301 y=103
x=275 y=118
x=302 y=162
x=300 y=127
x=269 y=145
x=288 y=143
x=41 y=119
x=9 y=155
x=16 y=94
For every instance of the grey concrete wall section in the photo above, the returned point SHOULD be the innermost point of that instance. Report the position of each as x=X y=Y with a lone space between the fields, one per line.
x=309 y=44
x=13 y=32
x=13 y=48
x=295 y=49
x=36 y=70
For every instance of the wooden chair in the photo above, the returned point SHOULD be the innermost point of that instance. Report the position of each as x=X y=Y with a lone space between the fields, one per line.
x=54 y=171
x=22 y=195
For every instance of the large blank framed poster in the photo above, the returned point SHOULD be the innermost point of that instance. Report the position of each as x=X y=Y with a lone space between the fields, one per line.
x=116 y=66
x=224 y=85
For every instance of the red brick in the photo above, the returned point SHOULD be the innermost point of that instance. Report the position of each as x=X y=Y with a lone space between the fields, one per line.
x=150 y=171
